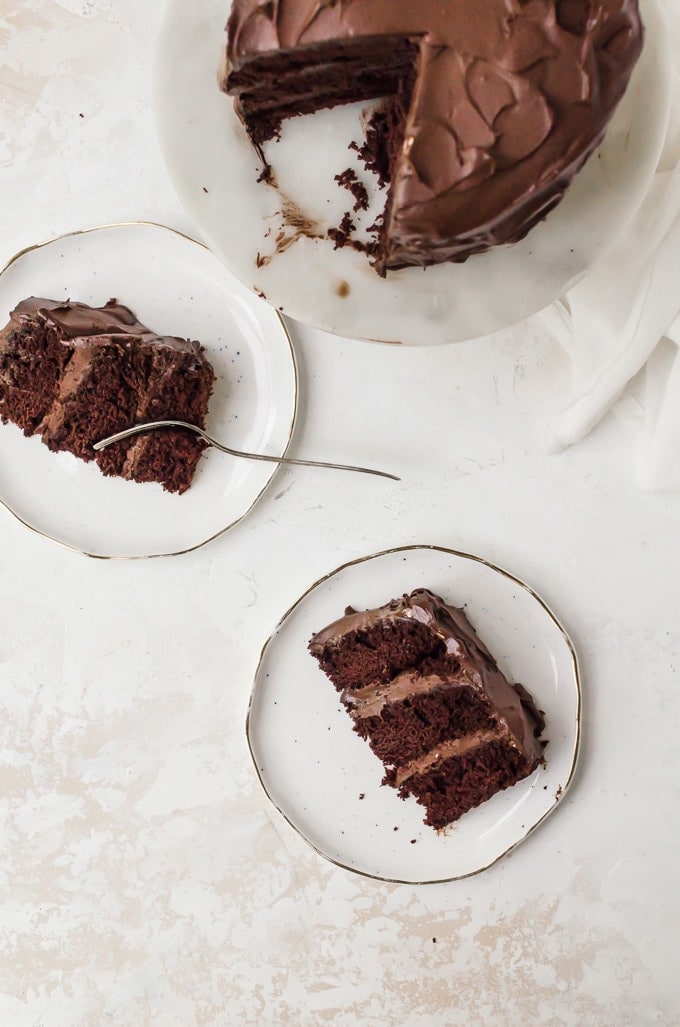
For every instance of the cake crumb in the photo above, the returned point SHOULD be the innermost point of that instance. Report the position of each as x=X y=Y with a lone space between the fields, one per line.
x=434 y=941
x=343 y=289
x=413 y=841
x=348 y=180
x=362 y=795
x=341 y=234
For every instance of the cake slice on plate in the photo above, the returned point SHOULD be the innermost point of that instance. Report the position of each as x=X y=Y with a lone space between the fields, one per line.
x=429 y=698
x=74 y=374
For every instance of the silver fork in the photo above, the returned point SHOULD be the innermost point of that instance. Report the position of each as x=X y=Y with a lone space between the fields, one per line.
x=138 y=429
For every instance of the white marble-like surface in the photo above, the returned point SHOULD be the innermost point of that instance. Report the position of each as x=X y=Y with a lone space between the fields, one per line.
x=144 y=879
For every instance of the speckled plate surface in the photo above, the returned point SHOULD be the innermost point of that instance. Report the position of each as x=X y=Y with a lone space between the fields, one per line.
x=256 y=229
x=324 y=779
x=177 y=287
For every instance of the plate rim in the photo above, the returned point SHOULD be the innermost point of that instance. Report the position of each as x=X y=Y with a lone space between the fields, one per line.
x=577 y=681
x=5 y=505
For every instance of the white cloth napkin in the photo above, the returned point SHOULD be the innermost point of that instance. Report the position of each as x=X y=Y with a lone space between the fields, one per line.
x=625 y=315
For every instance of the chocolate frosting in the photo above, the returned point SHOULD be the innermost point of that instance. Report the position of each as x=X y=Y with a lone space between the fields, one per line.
x=510 y=98
x=84 y=330
x=79 y=324
x=472 y=667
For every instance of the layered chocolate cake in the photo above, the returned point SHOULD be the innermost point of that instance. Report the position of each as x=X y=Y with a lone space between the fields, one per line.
x=493 y=105
x=429 y=698
x=74 y=374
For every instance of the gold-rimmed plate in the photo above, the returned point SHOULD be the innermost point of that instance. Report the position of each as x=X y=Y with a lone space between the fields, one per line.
x=323 y=778
x=177 y=287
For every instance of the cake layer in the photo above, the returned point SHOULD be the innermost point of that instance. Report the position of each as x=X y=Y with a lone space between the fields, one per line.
x=462 y=778
x=75 y=374
x=111 y=370
x=510 y=98
x=356 y=652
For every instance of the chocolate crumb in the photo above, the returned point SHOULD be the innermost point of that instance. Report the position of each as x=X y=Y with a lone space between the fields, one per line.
x=413 y=841
x=362 y=795
x=340 y=235
x=348 y=180
x=343 y=289
x=372 y=152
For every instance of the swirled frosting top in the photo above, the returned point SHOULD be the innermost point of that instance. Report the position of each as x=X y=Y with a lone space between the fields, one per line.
x=79 y=323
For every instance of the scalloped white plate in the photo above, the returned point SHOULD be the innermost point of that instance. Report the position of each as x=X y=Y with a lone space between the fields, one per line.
x=215 y=171
x=324 y=779
x=177 y=287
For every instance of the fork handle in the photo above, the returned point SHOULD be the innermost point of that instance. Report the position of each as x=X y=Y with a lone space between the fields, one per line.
x=138 y=429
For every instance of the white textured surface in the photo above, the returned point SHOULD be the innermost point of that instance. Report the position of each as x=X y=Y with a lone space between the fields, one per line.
x=143 y=878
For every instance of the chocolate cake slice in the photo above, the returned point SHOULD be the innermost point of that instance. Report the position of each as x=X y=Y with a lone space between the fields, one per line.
x=494 y=105
x=429 y=698
x=74 y=374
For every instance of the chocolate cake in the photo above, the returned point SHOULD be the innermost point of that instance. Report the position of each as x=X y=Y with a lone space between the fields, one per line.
x=74 y=374
x=429 y=698
x=493 y=105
